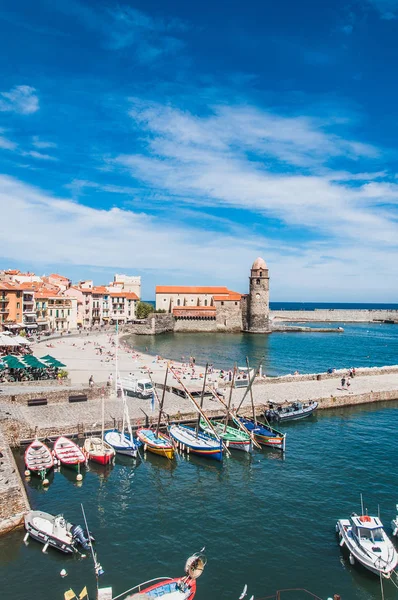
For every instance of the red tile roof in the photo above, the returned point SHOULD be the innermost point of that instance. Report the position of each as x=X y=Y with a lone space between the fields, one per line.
x=121 y=294
x=228 y=297
x=60 y=277
x=175 y=289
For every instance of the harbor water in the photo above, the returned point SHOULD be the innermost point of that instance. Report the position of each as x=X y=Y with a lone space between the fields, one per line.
x=361 y=345
x=266 y=521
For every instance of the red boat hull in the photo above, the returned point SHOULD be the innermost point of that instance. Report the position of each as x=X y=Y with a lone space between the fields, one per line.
x=191 y=583
x=101 y=459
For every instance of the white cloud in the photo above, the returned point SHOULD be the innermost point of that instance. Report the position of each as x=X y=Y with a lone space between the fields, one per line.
x=20 y=99
x=5 y=143
x=38 y=155
x=245 y=158
x=42 y=144
x=63 y=232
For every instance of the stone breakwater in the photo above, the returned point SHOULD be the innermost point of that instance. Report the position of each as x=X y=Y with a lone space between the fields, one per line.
x=334 y=316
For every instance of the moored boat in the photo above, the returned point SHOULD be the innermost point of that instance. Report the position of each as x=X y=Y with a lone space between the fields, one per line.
x=367 y=543
x=264 y=434
x=69 y=454
x=38 y=458
x=232 y=437
x=158 y=444
x=55 y=531
x=99 y=451
x=290 y=412
x=201 y=444
x=121 y=442
x=179 y=588
x=394 y=523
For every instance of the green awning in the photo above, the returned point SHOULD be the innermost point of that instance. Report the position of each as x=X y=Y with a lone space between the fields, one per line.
x=13 y=362
x=53 y=362
x=33 y=362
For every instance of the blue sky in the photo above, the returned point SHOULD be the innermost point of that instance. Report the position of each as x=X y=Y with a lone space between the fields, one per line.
x=180 y=140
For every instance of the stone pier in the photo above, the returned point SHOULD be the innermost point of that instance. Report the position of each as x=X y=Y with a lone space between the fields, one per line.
x=13 y=499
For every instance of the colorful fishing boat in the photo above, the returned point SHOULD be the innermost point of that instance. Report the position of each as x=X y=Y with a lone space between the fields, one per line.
x=99 y=451
x=158 y=444
x=233 y=438
x=264 y=434
x=121 y=442
x=38 y=459
x=69 y=454
x=187 y=439
x=179 y=588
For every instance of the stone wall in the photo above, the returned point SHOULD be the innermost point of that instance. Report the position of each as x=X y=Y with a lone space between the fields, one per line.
x=39 y=383
x=13 y=499
x=228 y=316
x=195 y=326
x=55 y=396
x=331 y=315
x=155 y=323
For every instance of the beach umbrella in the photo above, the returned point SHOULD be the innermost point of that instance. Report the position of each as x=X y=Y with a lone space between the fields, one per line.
x=53 y=362
x=12 y=362
x=21 y=340
x=6 y=340
x=33 y=362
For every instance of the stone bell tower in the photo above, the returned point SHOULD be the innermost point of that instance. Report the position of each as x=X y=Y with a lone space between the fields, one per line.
x=258 y=309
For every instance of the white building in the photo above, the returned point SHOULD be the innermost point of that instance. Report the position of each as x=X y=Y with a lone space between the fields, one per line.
x=128 y=283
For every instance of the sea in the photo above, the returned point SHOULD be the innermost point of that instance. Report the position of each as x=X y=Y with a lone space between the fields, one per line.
x=265 y=520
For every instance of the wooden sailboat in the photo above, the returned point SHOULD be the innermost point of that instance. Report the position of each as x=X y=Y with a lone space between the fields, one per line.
x=69 y=454
x=263 y=432
x=191 y=440
x=38 y=458
x=121 y=441
x=96 y=449
x=154 y=441
x=234 y=438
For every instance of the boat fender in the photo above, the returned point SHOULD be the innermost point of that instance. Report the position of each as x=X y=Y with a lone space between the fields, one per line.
x=46 y=482
x=352 y=560
x=227 y=444
x=80 y=536
x=45 y=547
x=188 y=449
x=145 y=447
x=26 y=537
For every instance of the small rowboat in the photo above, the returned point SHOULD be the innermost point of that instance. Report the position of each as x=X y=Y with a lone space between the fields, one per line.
x=265 y=434
x=158 y=444
x=69 y=454
x=180 y=588
x=38 y=458
x=233 y=438
x=121 y=442
x=98 y=450
x=201 y=444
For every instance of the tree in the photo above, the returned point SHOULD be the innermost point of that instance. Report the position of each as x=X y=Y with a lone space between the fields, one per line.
x=143 y=310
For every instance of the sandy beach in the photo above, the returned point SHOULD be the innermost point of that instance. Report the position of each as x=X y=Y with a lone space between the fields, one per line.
x=95 y=354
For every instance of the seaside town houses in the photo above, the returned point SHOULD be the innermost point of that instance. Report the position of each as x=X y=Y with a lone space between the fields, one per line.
x=52 y=303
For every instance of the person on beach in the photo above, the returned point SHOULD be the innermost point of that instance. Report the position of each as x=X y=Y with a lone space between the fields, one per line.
x=91 y=381
x=110 y=379
x=342 y=382
x=348 y=382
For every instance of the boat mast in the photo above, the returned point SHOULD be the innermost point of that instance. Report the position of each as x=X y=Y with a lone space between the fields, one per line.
x=162 y=401
x=249 y=386
x=251 y=392
x=201 y=400
x=229 y=399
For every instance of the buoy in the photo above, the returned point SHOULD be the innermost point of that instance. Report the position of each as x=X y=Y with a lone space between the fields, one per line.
x=79 y=477
x=46 y=482
x=27 y=473
x=63 y=573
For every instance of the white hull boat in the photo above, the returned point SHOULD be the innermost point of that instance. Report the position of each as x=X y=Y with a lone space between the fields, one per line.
x=121 y=442
x=367 y=543
x=394 y=523
x=55 y=531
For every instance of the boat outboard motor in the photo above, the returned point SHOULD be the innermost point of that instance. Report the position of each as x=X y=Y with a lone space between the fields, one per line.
x=79 y=535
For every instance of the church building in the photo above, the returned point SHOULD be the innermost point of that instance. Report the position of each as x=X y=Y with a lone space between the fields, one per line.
x=218 y=308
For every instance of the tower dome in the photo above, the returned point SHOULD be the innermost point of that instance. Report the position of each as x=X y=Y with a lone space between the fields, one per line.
x=259 y=263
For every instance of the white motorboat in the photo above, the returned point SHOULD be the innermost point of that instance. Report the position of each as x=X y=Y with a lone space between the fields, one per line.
x=367 y=542
x=55 y=531
x=394 y=523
